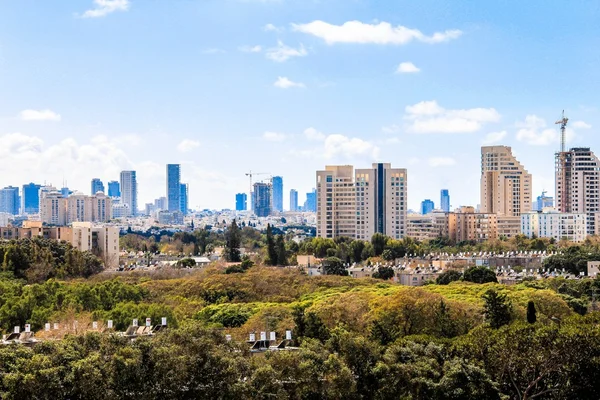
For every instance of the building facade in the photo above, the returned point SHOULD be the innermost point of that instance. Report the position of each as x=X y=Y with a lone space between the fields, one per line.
x=183 y=198
x=173 y=186
x=293 y=200
x=129 y=193
x=97 y=186
x=445 y=200
x=53 y=208
x=277 y=183
x=30 y=200
x=505 y=183
x=114 y=189
x=554 y=224
x=241 y=202
x=310 y=205
x=9 y=200
x=427 y=206
x=262 y=199
x=336 y=202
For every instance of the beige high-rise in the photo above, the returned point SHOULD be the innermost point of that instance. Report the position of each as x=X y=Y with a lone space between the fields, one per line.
x=336 y=202
x=505 y=183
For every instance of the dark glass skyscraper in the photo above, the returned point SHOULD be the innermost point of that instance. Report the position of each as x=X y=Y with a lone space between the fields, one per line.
x=183 y=198
x=311 y=201
x=241 y=202
x=277 y=193
x=173 y=187
x=262 y=199
x=293 y=200
x=31 y=198
x=427 y=206
x=97 y=186
x=9 y=200
x=445 y=200
x=114 y=190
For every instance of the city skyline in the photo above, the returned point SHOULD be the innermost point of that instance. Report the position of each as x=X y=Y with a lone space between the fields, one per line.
x=411 y=100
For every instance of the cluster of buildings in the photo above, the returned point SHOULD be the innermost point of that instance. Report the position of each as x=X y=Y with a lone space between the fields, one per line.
x=266 y=198
x=358 y=203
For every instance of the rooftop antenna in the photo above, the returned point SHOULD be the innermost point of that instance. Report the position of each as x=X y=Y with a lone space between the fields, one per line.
x=563 y=127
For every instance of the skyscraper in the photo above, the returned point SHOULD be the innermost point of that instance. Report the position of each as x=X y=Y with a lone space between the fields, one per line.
x=129 y=192
x=31 y=199
x=241 y=202
x=445 y=200
x=427 y=206
x=262 y=199
x=336 y=202
x=310 y=205
x=9 y=200
x=114 y=189
x=97 y=186
x=578 y=183
x=293 y=200
x=173 y=187
x=543 y=201
x=381 y=201
x=277 y=193
x=505 y=183
x=183 y=198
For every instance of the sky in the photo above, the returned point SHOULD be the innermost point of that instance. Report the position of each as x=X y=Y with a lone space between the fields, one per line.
x=284 y=87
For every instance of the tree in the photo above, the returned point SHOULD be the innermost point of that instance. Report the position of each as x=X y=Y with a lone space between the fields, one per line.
x=271 y=248
x=281 y=252
x=497 y=308
x=480 y=274
x=232 y=245
x=379 y=241
x=531 y=313
x=384 y=273
x=334 y=266
x=448 y=276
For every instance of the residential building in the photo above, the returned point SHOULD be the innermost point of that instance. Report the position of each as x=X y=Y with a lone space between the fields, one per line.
x=467 y=225
x=166 y=217
x=445 y=200
x=381 y=201
x=97 y=186
x=31 y=199
x=262 y=199
x=9 y=200
x=79 y=208
x=183 y=198
x=310 y=205
x=173 y=187
x=53 y=207
x=427 y=206
x=4 y=218
x=277 y=183
x=102 y=240
x=508 y=226
x=101 y=208
x=505 y=183
x=114 y=189
x=120 y=210
x=241 y=202
x=336 y=202
x=578 y=184
x=293 y=200
x=553 y=224
x=160 y=204
x=543 y=201
x=129 y=193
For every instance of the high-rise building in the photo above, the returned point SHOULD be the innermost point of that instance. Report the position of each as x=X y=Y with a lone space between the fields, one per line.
x=173 y=187
x=31 y=199
x=427 y=206
x=97 y=186
x=79 y=208
x=445 y=200
x=578 y=184
x=505 y=183
x=241 y=200
x=160 y=204
x=336 y=202
x=129 y=192
x=9 y=200
x=114 y=189
x=183 y=198
x=262 y=199
x=277 y=182
x=310 y=205
x=381 y=201
x=543 y=201
x=293 y=200
x=101 y=208
x=53 y=207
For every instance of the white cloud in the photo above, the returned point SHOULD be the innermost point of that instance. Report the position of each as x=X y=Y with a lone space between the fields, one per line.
x=381 y=33
x=441 y=161
x=407 y=68
x=272 y=28
x=251 y=49
x=284 y=83
x=282 y=52
x=581 y=125
x=104 y=7
x=337 y=145
x=534 y=131
x=273 y=136
x=429 y=117
x=213 y=50
x=494 y=137
x=187 y=145
x=313 y=135
x=390 y=129
x=39 y=115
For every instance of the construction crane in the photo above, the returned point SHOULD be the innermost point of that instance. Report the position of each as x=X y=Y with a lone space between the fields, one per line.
x=563 y=127
x=251 y=174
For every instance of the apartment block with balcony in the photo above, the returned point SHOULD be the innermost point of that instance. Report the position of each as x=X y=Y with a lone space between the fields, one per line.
x=553 y=224
x=336 y=202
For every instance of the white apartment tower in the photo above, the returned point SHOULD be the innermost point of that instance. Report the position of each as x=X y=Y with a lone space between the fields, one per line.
x=505 y=183
x=336 y=202
x=381 y=201
x=577 y=184
x=129 y=192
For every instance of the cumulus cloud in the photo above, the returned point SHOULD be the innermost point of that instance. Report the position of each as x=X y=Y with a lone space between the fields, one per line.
x=39 y=115
x=272 y=28
x=187 y=145
x=314 y=135
x=251 y=49
x=494 y=137
x=104 y=7
x=441 y=161
x=381 y=33
x=407 y=68
x=282 y=52
x=273 y=136
x=581 y=125
x=213 y=50
x=337 y=145
x=430 y=117
x=535 y=131
x=284 y=83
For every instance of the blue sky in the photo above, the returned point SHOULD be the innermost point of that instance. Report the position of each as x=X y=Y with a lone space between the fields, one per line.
x=88 y=88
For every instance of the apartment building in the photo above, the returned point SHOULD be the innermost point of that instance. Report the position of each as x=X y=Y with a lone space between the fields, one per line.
x=472 y=226
x=336 y=202
x=505 y=184
x=553 y=224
